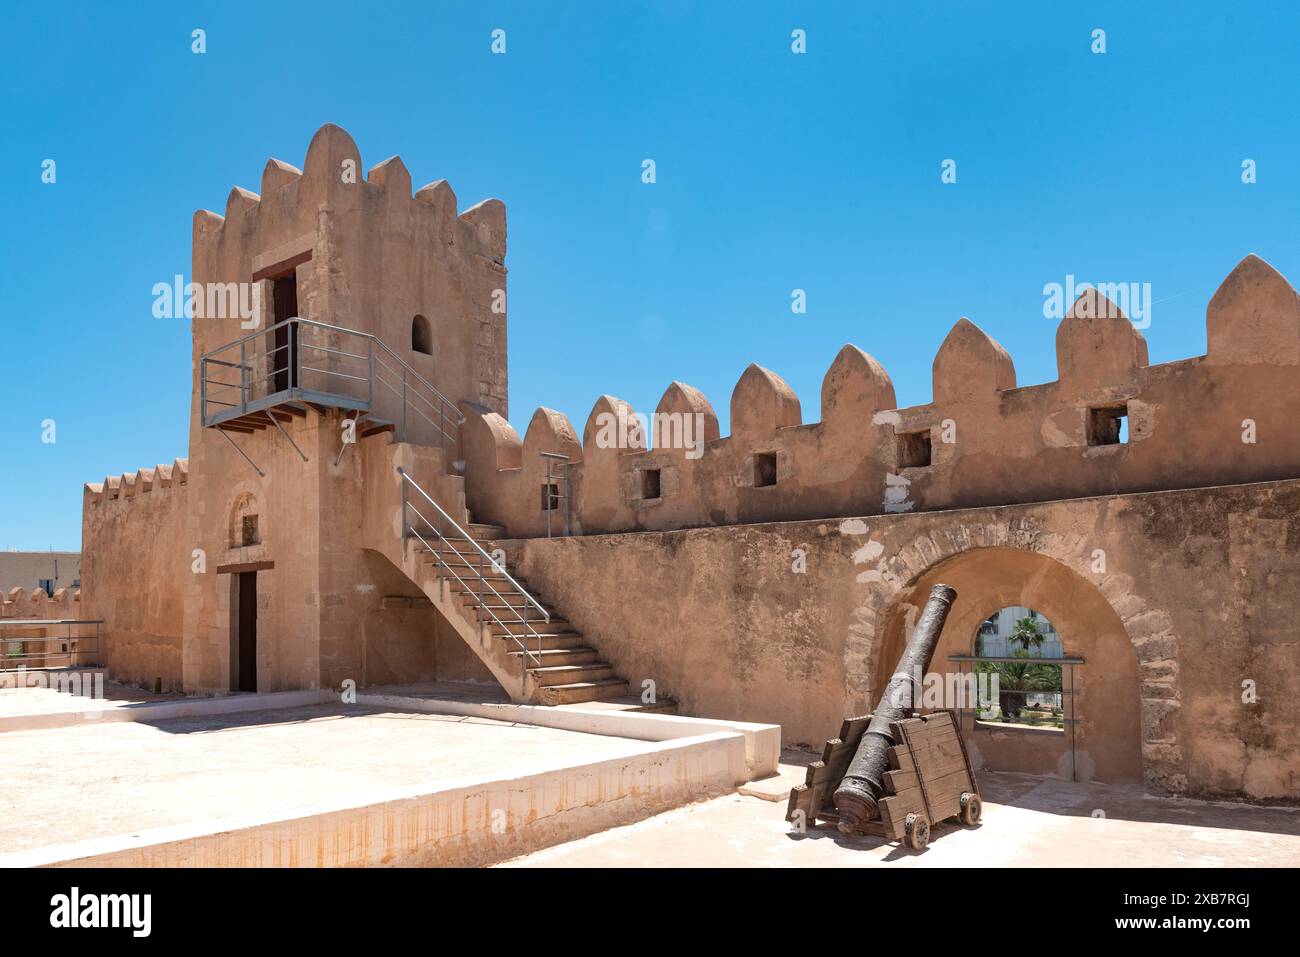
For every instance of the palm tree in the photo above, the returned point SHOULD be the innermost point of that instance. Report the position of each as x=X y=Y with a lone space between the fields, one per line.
x=1017 y=678
x=1026 y=633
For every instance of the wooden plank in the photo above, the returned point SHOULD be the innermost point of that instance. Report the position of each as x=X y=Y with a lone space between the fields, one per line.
x=933 y=758
x=821 y=773
x=898 y=780
x=800 y=797
x=240 y=567
x=828 y=750
x=895 y=808
x=945 y=799
x=815 y=797
x=900 y=759
x=822 y=794
x=852 y=729
x=923 y=731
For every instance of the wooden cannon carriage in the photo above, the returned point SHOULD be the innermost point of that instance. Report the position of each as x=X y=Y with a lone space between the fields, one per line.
x=930 y=779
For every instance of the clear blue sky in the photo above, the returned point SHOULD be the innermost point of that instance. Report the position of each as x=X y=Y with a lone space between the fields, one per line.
x=775 y=172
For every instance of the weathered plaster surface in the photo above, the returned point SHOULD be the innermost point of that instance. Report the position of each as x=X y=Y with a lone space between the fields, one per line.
x=1157 y=591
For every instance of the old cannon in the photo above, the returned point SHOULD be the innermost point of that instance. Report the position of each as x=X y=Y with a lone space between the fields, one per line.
x=893 y=772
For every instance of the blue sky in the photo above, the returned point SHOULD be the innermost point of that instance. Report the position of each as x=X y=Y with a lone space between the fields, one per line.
x=775 y=171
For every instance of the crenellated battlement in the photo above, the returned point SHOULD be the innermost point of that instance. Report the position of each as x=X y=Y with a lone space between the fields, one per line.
x=130 y=484
x=332 y=174
x=19 y=603
x=333 y=243
x=1109 y=423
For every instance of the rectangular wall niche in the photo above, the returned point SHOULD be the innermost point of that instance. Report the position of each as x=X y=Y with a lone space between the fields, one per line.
x=550 y=497
x=764 y=469
x=650 y=484
x=914 y=450
x=1108 y=425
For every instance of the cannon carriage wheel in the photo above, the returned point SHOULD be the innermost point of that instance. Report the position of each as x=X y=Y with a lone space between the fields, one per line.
x=916 y=831
x=971 y=807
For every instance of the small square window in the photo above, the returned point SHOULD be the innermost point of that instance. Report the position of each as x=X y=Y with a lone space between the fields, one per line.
x=764 y=469
x=248 y=531
x=650 y=484
x=914 y=450
x=550 y=498
x=1108 y=425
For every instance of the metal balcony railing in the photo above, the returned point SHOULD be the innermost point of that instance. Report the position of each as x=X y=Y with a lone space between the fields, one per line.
x=301 y=360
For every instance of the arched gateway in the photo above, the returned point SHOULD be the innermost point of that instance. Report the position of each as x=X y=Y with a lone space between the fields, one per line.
x=1105 y=741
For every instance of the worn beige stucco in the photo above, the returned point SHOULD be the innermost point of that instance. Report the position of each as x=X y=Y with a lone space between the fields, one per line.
x=990 y=442
x=680 y=565
x=1190 y=604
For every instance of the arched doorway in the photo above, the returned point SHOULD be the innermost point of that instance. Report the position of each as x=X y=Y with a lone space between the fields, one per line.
x=1107 y=736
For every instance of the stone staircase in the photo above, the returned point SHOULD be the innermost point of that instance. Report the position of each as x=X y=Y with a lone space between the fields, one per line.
x=570 y=670
x=484 y=603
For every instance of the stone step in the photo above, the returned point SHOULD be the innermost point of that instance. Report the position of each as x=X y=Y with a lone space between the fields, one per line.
x=554 y=626
x=486 y=533
x=550 y=676
x=459 y=560
x=499 y=582
x=629 y=702
x=578 y=655
x=568 y=641
x=583 y=691
x=500 y=599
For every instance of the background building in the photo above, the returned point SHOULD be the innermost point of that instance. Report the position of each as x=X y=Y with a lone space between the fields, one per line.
x=997 y=629
x=45 y=570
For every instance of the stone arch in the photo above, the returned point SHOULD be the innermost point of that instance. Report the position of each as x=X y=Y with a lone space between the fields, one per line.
x=1001 y=563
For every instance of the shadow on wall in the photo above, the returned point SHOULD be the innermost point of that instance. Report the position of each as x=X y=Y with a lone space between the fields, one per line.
x=1108 y=740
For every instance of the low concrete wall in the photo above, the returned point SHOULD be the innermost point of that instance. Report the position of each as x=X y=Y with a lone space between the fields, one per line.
x=472 y=823
x=100 y=711
x=762 y=741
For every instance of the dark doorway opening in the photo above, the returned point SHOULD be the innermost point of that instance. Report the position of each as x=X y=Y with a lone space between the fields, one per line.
x=284 y=294
x=245 y=665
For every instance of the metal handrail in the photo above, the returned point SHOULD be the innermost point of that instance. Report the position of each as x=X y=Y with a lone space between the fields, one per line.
x=410 y=388
x=408 y=530
x=73 y=644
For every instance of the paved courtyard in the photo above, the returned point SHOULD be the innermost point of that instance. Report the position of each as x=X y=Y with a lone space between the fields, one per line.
x=100 y=779
x=1028 y=822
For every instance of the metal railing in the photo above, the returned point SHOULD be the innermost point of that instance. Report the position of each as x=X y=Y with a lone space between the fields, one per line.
x=476 y=562
x=551 y=494
x=73 y=645
x=308 y=361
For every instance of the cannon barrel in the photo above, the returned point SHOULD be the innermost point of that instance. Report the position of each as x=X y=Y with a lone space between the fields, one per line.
x=859 y=793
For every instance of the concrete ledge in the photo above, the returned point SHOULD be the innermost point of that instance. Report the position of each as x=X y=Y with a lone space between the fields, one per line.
x=762 y=741
x=99 y=711
x=470 y=822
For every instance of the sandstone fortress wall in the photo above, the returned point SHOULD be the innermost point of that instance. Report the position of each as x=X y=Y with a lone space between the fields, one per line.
x=1169 y=562
x=983 y=440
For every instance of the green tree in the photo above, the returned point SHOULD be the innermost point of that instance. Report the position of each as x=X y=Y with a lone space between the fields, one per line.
x=1026 y=633
x=1016 y=679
